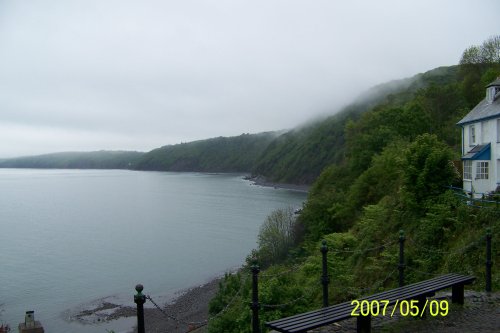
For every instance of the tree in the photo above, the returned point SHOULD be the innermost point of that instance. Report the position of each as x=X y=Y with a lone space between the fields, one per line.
x=427 y=168
x=471 y=55
x=474 y=63
x=490 y=50
x=487 y=53
x=277 y=235
x=382 y=178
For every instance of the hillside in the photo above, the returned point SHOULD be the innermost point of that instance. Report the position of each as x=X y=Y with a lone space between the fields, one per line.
x=76 y=160
x=296 y=156
x=393 y=174
x=222 y=154
x=300 y=155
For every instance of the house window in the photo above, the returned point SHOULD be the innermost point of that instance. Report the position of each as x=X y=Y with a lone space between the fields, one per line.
x=482 y=170
x=472 y=134
x=468 y=169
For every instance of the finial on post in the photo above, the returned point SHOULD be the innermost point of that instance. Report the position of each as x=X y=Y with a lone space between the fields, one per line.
x=255 y=263
x=324 y=247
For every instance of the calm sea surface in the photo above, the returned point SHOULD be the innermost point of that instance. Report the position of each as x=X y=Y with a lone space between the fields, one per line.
x=71 y=237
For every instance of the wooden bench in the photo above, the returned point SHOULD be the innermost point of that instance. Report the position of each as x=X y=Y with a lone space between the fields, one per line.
x=416 y=291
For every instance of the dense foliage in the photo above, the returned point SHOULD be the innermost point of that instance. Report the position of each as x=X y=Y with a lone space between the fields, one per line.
x=393 y=174
x=277 y=235
x=222 y=154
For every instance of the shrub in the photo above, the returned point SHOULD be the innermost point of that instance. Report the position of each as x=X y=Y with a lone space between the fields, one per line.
x=277 y=235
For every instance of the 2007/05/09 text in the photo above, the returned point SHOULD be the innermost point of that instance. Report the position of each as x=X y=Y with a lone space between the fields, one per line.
x=405 y=308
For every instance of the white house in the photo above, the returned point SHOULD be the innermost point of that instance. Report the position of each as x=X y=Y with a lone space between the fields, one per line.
x=481 y=144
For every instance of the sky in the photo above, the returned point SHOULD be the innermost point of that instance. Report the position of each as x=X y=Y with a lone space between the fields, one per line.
x=86 y=75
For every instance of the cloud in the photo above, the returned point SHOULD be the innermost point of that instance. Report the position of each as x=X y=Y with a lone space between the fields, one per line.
x=163 y=72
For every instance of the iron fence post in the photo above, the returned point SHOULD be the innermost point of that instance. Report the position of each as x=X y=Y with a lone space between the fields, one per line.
x=488 y=260
x=140 y=299
x=255 y=298
x=325 y=280
x=401 y=265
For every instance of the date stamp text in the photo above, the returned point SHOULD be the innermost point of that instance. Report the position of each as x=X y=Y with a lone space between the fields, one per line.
x=405 y=308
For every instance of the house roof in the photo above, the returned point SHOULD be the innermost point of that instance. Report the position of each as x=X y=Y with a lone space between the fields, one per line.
x=484 y=110
x=479 y=152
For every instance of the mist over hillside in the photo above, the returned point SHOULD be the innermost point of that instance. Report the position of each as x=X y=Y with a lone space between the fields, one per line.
x=300 y=155
x=290 y=156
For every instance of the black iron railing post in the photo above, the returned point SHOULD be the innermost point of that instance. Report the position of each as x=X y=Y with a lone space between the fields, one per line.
x=488 y=260
x=401 y=265
x=255 y=298
x=140 y=299
x=325 y=280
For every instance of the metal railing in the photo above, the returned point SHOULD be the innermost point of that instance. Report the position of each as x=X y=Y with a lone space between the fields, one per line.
x=255 y=305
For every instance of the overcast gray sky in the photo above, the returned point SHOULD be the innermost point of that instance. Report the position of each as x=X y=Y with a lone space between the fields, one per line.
x=82 y=75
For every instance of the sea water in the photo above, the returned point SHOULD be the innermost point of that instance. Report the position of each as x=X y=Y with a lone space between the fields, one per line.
x=69 y=238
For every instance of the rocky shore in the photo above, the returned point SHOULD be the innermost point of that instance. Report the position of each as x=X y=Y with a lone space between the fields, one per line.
x=262 y=181
x=185 y=312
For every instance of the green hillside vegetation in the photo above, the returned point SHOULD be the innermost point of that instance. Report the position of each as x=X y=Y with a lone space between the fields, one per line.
x=222 y=154
x=76 y=160
x=393 y=175
x=300 y=155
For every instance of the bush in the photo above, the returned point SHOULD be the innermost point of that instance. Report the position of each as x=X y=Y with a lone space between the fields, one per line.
x=427 y=169
x=277 y=235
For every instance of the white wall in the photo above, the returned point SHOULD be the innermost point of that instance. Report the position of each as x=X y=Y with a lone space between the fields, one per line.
x=467 y=136
x=486 y=132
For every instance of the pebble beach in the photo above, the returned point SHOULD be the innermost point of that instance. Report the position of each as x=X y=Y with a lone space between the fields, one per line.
x=186 y=311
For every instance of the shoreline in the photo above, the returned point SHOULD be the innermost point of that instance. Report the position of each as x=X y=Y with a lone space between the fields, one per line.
x=262 y=181
x=187 y=311
x=182 y=311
